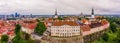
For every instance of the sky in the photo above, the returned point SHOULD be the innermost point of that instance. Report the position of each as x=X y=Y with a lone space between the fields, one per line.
x=63 y=6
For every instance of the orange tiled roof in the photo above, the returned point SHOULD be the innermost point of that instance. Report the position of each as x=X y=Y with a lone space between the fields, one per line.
x=31 y=24
x=104 y=21
x=84 y=20
x=85 y=28
x=67 y=18
x=59 y=23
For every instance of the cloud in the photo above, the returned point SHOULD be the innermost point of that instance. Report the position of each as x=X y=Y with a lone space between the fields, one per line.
x=63 y=6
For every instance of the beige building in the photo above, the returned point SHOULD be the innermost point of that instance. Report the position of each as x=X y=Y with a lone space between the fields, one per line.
x=65 y=29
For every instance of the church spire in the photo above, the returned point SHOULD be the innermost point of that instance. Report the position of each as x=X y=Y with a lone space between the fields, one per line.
x=56 y=15
x=92 y=11
x=55 y=11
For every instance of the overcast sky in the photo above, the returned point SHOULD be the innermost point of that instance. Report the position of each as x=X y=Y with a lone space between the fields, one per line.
x=63 y=6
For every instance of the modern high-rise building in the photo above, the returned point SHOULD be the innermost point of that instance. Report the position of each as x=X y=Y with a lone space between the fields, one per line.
x=17 y=15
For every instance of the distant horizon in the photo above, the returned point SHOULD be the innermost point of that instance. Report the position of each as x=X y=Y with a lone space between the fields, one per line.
x=58 y=14
x=63 y=6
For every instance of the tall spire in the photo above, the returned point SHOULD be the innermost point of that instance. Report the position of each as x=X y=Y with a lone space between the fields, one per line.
x=55 y=11
x=56 y=15
x=92 y=11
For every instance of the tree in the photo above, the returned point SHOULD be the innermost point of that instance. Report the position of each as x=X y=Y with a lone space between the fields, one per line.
x=17 y=32
x=27 y=36
x=118 y=36
x=5 y=38
x=105 y=37
x=23 y=38
x=87 y=18
x=59 y=18
x=16 y=39
x=37 y=20
x=113 y=27
x=40 y=28
x=17 y=29
x=79 y=18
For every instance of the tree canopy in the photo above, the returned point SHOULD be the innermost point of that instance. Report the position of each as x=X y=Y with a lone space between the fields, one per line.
x=40 y=28
x=5 y=38
x=17 y=29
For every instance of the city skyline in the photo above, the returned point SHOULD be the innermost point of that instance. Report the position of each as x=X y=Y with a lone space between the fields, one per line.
x=63 y=6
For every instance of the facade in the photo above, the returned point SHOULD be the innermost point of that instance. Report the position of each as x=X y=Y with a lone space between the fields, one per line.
x=65 y=29
x=27 y=30
x=28 y=26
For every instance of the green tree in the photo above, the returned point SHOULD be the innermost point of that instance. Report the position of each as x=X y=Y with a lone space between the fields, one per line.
x=118 y=36
x=113 y=27
x=17 y=29
x=5 y=38
x=59 y=18
x=37 y=20
x=21 y=37
x=18 y=35
x=40 y=28
x=16 y=39
x=87 y=18
x=26 y=36
x=79 y=18
x=105 y=37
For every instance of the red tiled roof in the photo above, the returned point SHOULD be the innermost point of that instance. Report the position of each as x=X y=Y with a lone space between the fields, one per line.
x=48 y=20
x=59 y=23
x=103 y=22
x=93 y=25
x=67 y=18
x=84 y=20
x=32 y=26
x=85 y=28
x=10 y=32
x=29 y=24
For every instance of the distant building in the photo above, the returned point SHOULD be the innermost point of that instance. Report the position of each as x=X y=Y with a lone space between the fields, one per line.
x=17 y=15
x=81 y=15
x=31 y=16
x=12 y=15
